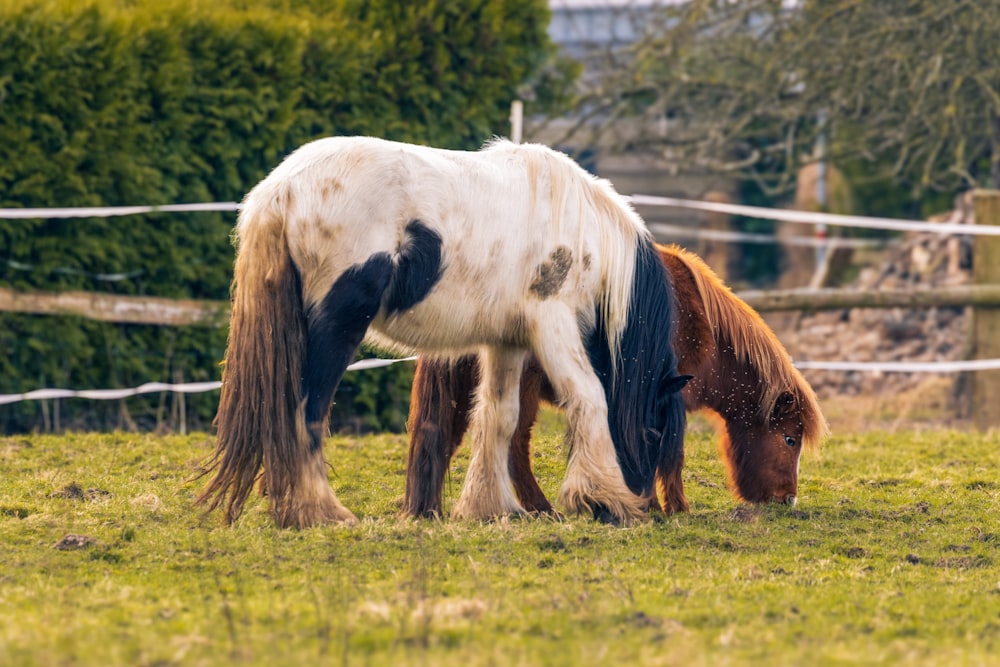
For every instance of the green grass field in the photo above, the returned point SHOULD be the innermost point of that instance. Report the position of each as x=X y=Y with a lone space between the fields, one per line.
x=891 y=557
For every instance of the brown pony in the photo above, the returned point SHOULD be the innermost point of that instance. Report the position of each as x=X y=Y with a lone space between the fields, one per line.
x=762 y=407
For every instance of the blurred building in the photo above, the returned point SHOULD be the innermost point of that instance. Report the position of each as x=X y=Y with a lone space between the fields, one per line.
x=580 y=26
x=597 y=33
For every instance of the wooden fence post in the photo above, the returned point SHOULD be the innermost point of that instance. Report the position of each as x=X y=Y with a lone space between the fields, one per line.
x=716 y=253
x=986 y=319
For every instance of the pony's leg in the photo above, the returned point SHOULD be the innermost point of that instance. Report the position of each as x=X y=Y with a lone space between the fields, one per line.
x=336 y=326
x=487 y=491
x=525 y=485
x=594 y=482
x=670 y=488
x=440 y=402
x=668 y=483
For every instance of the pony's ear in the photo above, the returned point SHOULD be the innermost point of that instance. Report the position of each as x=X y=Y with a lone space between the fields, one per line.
x=674 y=384
x=783 y=406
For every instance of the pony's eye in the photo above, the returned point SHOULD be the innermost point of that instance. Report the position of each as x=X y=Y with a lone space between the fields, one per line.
x=790 y=441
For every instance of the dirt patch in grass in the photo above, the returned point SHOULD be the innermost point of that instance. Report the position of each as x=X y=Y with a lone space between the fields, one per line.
x=74 y=491
x=73 y=542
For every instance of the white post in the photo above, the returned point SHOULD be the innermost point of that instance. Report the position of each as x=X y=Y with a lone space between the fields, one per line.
x=516 y=121
x=822 y=258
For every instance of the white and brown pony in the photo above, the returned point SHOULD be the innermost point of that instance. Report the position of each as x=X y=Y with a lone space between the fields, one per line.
x=507 y=251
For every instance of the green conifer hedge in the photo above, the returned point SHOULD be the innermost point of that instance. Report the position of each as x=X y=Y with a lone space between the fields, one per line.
x=115 y=102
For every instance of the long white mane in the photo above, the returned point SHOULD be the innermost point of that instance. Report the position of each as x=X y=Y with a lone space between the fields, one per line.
x=577 y=194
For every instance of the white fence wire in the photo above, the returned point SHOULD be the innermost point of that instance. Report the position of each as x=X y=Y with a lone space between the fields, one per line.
x=778 y=215
x=759 y=212
x=153 y=387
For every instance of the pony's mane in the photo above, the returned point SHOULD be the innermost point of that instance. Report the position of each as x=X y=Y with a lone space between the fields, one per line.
x=620 y=230
x=753 y=341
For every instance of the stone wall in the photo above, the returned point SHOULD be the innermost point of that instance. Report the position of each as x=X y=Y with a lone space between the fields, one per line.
x=898 y=334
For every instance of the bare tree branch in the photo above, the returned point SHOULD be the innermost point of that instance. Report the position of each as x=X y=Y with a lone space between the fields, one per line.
x=737 y=86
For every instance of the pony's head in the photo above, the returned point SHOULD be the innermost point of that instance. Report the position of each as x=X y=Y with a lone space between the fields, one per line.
x=762 y=452
x=766 y=411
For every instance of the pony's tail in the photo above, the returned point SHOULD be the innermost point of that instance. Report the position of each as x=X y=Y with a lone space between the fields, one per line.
x=260 y=420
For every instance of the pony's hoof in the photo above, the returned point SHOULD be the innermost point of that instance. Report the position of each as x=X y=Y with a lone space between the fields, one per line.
x=429 y=514
x=603 y=515
x=321 y=514
x=673 y=506
x=485 y=507
x=459 y=514
x=465 y=510
x=345 y=517
x=621 y=509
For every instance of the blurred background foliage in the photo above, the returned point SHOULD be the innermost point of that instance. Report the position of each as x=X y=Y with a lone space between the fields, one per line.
x=106 y=103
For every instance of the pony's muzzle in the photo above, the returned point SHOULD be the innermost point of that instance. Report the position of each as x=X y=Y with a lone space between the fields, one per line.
x=789 y=500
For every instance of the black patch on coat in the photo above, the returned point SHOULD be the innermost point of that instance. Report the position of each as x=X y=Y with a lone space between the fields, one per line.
x=336 y=326
x=417 y=268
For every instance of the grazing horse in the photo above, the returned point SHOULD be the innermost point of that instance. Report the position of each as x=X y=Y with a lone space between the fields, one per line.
x=761 y=405
x=506 y=251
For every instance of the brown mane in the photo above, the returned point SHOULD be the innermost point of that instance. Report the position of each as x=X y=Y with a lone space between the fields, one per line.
x=736 y=323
